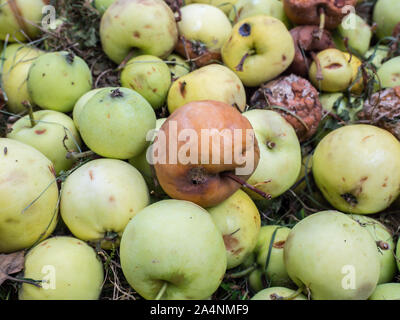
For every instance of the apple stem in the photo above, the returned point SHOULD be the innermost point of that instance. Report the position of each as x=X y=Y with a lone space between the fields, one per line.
x=35 y=283
x=28 y=106
x=319 y=75
x=242 y=273
x=321 y=22
x=239 y=67
x=246 y=185
x=294 y=295
x=79 y=155
x=162 y=291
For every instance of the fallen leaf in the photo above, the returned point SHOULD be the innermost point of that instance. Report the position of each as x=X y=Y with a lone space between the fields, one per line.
x=11 y=263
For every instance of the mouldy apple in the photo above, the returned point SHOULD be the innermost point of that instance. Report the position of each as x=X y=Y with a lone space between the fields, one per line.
x=278 y=293
x=69 y=270
x=356 y=168
x=389 y=73
x=386 y=16
x=28 y=196
x=54 y=134
x=254 y=57
x=386 y=291
x=239 y=221
x=138 y=26
x=172 y=250
x=56 y=80
x=149 y=76
x=333 y=256
x=114 y=123
x=99 y=198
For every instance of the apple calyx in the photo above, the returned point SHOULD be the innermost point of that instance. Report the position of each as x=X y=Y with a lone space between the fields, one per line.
x=70 y=57
x=110 y=236
x=350 y=199
x=382 y=245
x=116 y=93
x=245 y=30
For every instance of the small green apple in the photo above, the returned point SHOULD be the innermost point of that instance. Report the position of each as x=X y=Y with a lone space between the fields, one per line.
x=380 y=52
x=386 y=291
x=102 y=5
x=389 y=73
x=278 y=293
x=68 y=268
x=306 y=165
x=177 y=66
x=386 y=16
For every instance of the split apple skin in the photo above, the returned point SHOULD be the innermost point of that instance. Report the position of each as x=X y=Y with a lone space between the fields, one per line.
x=27 y=176
x=186 y=252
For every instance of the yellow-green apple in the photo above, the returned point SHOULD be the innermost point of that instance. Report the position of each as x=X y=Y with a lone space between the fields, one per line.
x=357 y=81
x=138 y=27
x=114 y=123
x=379 y=53
x=398 y=254
x=99 y=198
x=212 y=82
x=149 y=76
x=280 y=153
x=386 y=16
x=239 y=221
x=278 y=293
x=386 y=291
x=389 y=73
x=185 y=259
x=56 y=80
x=306 y=165
x=28 y=196
x=177 y=66
x=102 y=5
x=68 y=270
x=54 y=134
x=356 y=168
x=224 y=5
x=333 y=257
x=254 y=57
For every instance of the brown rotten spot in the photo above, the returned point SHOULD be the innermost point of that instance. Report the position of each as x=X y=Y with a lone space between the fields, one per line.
x=196 y=51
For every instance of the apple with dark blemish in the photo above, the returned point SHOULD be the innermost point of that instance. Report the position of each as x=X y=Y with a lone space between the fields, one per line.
x=389 y=73
x=357 y=170
x=278 y=293
x=53 y=133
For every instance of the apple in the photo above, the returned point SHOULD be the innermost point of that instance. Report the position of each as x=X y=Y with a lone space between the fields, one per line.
x=306 y=165
x=28 y=196
x=56 y=80
x=254 y=57
x=114 y=123
x=239 y=221
x=48 y=136
x=278 y=293
x=149 y=76
x=280 y=153
x=332 y=256
x=99 y=198
x=17 y=61
x=212 y=82
x=357 y=87
x=338 y=103
x=398 y=254
x=177 y=66
x=380 y=52
x=224 y=5
x=102 y=5
x=172 y=250
x=386 y=291
x=356 y=168
x=68 y=268
x=385 y=244
x=389 y=73
x=138 y=27
x=386 y=17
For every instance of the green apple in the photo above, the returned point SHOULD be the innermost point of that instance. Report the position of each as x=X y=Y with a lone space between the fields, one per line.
x=386 y=291
x=239 y=221
x=28 y=196
x=14 y=73
x=102 y=5
x=212 y=82
x=280 y=153
x=56 y=80
x=386 y=16
x=356 y=168
x=173 y=250
x=332 y=256
x=68 y=268
x=99 y=198
x=338 y=103
x=389 y=73
x=149 y=76
x=385 y=243
x=306 y=165
x=336 y=71
x=114 y=123
x=177 y=66
x=224 y=5
x=380 y=52
x=254 y=57
x=54 y=134
x=278 y=293
x=398 y=254
x=138 y=27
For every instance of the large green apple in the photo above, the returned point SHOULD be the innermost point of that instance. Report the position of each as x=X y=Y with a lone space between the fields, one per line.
x=173 y=248
x=114 y=123
x=68 y=268
x=56 y=80
x=386 y=291
x=254 y=57
x=28 y=196
x=386 y=16
x=280 y=153
x=48 y=136
x=389 y=73
x=239 y=221
x=99 y=198
x=356 y=168
x=138 y=27
x=278 y=293
x=212 y=82
x=332 y=256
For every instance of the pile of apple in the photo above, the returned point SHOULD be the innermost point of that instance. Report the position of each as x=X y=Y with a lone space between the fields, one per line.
x=276 y=69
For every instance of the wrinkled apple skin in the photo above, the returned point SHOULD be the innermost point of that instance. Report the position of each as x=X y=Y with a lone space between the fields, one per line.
x=102 y=196
x=78 y=272
x=48 y=136
x=149 y=76
x=277 y=293
x=325 y=250
x=280 y=164
x=118 y=132
x=386 y=291
x=267 y=57
x=177 y=242
x=148 y=26
x=356 y=168
x=239 y=221
x=386 y=16
x=25 y=174
x=212 y=82
x=56 y=80
x=389 y=73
